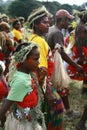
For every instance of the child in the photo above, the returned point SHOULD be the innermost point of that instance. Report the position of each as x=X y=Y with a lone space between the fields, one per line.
x=25 y=95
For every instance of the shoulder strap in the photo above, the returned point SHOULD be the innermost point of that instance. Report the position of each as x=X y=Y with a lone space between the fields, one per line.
x=33 y=37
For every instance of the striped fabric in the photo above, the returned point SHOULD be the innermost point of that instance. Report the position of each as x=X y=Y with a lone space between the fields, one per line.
x=55 y=121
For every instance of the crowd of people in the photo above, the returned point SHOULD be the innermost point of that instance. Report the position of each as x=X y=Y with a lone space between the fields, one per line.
x=34 y=83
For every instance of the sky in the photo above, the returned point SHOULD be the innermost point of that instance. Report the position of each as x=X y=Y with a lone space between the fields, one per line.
x=70 y=2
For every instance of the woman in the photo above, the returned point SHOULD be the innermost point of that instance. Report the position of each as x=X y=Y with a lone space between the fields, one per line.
x=39 y=23
x=25 y=95
x=79 y=51
x=18 y=38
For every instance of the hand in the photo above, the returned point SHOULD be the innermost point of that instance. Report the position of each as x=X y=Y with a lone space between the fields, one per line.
x=79 y=68
x=50 y=97
x=41 y=73
x=3 y=119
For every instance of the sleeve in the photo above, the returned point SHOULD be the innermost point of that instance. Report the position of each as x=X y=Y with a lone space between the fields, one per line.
x=58 y=38
x=19 y=89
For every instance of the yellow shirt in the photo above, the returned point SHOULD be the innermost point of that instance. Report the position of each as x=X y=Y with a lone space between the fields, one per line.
x=43 y=48
x=17 y=35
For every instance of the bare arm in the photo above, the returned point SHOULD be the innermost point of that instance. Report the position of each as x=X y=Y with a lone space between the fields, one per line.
x=4 y=108
x=70 y=61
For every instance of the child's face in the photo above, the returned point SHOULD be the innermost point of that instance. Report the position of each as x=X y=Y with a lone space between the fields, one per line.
x=32 y=62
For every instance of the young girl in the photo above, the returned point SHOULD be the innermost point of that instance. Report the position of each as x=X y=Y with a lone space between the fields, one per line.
x=25 y=95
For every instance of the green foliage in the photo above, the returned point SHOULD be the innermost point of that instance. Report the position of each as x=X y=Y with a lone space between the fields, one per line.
x=1 y=9
x=22 y=8
x=15 y=8
x=67 y=7
x=52 y=6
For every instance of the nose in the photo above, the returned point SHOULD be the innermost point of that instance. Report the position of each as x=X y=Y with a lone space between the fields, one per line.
x=38 y=62
x=48 y=24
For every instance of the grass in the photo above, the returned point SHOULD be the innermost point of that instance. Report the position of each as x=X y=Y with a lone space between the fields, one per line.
x=77 y=102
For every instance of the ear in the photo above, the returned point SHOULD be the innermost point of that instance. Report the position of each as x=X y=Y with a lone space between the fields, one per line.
x=63 y=19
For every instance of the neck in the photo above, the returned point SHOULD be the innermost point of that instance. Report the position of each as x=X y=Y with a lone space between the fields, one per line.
x=59 y=26
x=38 y=32
x=21 y=69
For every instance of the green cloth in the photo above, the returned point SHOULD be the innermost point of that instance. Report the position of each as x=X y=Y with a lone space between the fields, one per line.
x=19 y=86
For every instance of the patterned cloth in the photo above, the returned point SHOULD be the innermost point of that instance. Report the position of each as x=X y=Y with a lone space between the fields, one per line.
x=55 y=121
x=83 y=62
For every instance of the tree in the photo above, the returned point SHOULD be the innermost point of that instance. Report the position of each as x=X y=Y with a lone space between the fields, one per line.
x=23 y=8
x=66 y=7
x=52 y=6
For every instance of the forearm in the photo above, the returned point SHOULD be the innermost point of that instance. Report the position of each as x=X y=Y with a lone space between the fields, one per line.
x=68 y=59
x=5 y=107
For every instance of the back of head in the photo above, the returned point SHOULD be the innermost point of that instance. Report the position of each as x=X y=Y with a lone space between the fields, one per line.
x=21 y=18
x=4 y=25
x=63 y=13
x=83 y=16
x=5 y=18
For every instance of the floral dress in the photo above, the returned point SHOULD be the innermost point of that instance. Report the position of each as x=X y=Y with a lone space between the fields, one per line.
x=80 y=59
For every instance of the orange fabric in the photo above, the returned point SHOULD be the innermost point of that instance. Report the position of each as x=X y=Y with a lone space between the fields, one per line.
x=31 y=99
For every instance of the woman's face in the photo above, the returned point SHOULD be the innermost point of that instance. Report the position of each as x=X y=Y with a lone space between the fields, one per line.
x=18 y=25
x=43 y=26
x=32 y=61
x=83 y=32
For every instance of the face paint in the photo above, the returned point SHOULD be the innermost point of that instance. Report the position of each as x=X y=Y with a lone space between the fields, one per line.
x=30 y=60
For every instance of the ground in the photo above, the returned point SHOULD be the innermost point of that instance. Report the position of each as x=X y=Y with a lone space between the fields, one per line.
x=77 y=102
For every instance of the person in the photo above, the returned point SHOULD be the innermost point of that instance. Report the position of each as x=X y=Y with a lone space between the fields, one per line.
x=79 y=51
x=55 y=36
x=81 y=124
x=22 y=21
x=4 y=89
x=23 y=29
x=17 y=31
x=5 y=18
x=6 y=44
x=39 y=23
x=25 y=96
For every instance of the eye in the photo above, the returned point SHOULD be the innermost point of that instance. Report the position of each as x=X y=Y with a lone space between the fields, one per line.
x=36 y=59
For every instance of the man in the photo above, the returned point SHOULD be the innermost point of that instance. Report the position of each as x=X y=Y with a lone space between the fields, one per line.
x=54 y=36
x=62 y=20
